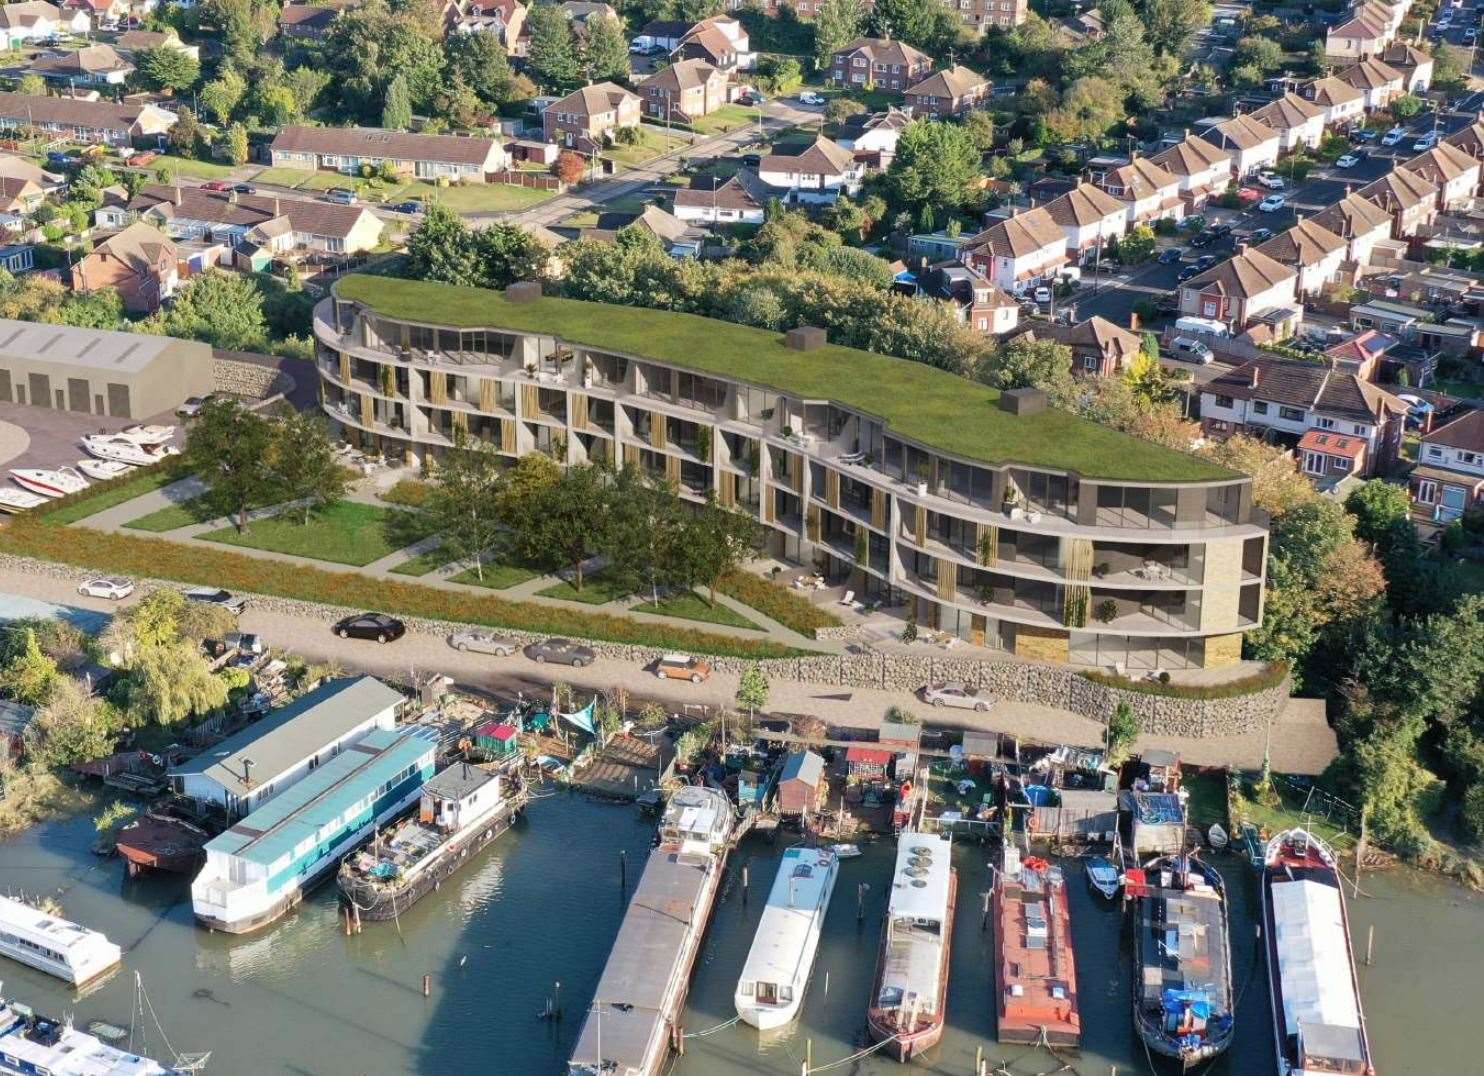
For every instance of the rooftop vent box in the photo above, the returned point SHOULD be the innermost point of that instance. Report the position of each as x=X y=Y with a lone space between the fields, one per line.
x=806 y=338
x=526 y=291
x=1026 y=401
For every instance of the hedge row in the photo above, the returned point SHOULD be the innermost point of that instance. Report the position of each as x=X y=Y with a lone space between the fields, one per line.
x=1271 y=676
x=783 y=605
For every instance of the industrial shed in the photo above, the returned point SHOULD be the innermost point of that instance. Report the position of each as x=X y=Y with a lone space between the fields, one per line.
x=97 y=371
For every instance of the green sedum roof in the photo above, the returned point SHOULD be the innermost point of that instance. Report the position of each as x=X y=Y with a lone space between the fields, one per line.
x=919 y=402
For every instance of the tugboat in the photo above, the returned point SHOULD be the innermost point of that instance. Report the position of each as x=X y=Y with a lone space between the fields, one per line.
x=1311 y=965
x=462 y=810
x=1182 y=959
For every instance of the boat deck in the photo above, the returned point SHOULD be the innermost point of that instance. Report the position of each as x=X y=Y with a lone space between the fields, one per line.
x=397 y=851
x=1036 y=967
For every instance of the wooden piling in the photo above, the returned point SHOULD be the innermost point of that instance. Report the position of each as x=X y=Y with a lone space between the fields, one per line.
x=1370 y=943
x=978 y=1060
x=427 y=986
x=826 y=984
x=744 y=884
x=860 y=902
x=623 y=869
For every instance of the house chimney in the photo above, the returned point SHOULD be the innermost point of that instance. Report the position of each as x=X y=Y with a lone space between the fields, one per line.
x=1256 y=375
x=1133 y=321
x=177 y=196
x=1241 y=249
x=806 y=338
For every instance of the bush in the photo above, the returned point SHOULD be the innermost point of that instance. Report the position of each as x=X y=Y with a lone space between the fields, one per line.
x=1271 y=676
x=777 y=603
x=409 y=492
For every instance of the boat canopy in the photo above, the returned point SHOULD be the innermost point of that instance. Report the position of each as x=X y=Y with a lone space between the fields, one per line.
x=1313 y=957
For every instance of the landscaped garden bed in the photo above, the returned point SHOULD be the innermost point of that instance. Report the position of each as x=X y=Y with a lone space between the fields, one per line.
x=345 y=533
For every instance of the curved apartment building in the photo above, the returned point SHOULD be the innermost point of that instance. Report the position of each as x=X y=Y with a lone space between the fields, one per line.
x=984 y=514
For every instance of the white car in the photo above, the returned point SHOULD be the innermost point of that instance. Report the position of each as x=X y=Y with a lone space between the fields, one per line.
x=808 y=97
x=192 y=405
x=1043 y=295
x=1393 y=136
x=1191 y=350
x=107 y=587
x=1425 y=143
x=1347 y=161
x=1272 y=203
x=958 y=695
x=1271 y=181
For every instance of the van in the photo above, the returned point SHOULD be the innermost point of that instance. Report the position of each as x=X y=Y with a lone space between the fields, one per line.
x=1191 y=350
x=341 y=196
x=1200 y=326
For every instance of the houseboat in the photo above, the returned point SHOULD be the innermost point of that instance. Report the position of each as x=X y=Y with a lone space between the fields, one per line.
x=771 y=989
x=263 y=865
x=1182 y=959
x=634 y=1018
x=51 y=944
x=1035 y=966
x=910 y=992
x=462 y=810
x=1311 y=964
x=31 y=1045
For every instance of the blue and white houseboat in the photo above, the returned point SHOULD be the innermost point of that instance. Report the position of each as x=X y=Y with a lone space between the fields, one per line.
x=33 y=1045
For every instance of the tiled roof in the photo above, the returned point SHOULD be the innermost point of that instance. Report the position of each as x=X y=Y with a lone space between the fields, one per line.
x=375 y=142
x=1241 y=132
x=1470 y=139
x=1308 y=385
x=952 y=82
x=731 y=194
x=1442 y=163
x=1359 y=28
x=1083 y=205
x=1248 y=274
x=883 y=51
x=1140 y=178
x=248 y=210
x=1015 y=237
x=25 y=16
x=140 y=245
x=1332 y=91
x=1332 y=444
x=1306 y=243
x=1399 y=189
x=1287 y=112
x=1403 y=56
x=1370 y=74
x=683 y=75
x=1363 y=346
x=820 y=158
x=88 y=60
x=599 y=97
x=1465 y=432
x=1192 y=156
x=1353 y=215
x=1103 y=336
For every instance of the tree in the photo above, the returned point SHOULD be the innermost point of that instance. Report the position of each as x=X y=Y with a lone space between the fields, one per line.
x=718 y=542
x=928 y=24
x=1406 y=106
x=836 y=24
x=1089 y=108
x=303 y=463
x=1378 y=506
x=185 y=134
x=552 y=55
x=979 y=123
x=605 y=53
x=396 y=110
x=463 y=504
x=221 y=95
x=646 y=534
x=506 y=253
x=30 y=677
x=368 y=46
x=933 y=166
x=442 y=248
x=223 y=309
x=170 y=682
x=1123 y=730
x=32 y=86
x=562 y=521
x=569 y=167
x=166 y=68
x=1137 y=246
x=234 y=144
x=1262 y=53
x=1171 y=24
x=752 y=690
x=72 y=726
x=229 y=447
x=1024 y=362
x=1277 y=484
x=480 y=62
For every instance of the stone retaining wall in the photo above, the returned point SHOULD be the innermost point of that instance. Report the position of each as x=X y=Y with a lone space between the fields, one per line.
x=249 y=380
x=1045 y=685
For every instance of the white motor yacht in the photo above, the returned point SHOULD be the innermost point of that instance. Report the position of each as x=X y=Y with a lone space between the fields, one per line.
x=103 y=470
x=51 y=944
x=58 y=483
x=123 y=450
x=18 y=500
x=148 y=435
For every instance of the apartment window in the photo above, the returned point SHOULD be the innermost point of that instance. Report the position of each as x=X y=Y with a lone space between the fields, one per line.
x=1359 y=430
x=1292 y=414
x=1224 y=401
x=1259 y=407
x=1427 y=492
x=1470 y=458
x=1208 y=309
x=1324 y=423
x=1314 y=463
x=1434 y=452
x=1342 y=464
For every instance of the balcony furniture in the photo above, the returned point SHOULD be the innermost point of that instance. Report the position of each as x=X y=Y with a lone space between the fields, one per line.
x=1015 y=513
x=852 y=457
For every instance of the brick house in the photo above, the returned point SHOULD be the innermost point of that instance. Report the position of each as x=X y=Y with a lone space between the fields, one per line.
x=1299 y=123
x=139 y=262
x=1312 y=250
x=949 y=92
x=982 y=15
x=1449 y=477
x=1380 y=82
x=424 y=156
x=973 y=297
x=589 y=116
x=1451 y=170
x=1240 y=289
x=1099 y=347
x=883 y=64
x=1358 y=221
x=684 y=91
x=1411 y=200
x=1150 y=191
x=1018 y=251
x=1204 y=170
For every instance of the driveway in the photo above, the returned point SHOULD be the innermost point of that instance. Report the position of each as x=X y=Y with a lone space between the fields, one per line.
x=53 y=435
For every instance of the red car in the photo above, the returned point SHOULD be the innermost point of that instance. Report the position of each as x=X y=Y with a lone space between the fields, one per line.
x=1248 y=195
x=139 y=160
x=216 y=185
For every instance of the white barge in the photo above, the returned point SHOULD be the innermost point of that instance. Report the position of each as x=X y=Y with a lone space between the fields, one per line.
x=33 y=1045
x=54 y=945
x=771 y=989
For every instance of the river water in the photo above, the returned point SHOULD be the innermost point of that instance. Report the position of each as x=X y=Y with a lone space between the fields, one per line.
x=543 y=905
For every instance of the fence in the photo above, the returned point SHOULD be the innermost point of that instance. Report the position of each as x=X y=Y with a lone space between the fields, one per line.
x=535 y=180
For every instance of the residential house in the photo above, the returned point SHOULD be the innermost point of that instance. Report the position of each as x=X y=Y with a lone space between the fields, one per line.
x=872 y=137
x=1343 y=104
x=1383 y=13
x=678 y=238
x=138 y=262
x=1414 y=64
x=91 y=65
x=87 y=121
x=1396 y=319
x=588 y=118
x=720 y=41
x=1358 y=221
x=1411 y=200
x=1253 y=145
x=1356 y=38
x=308 y=22
x=421 y=156
x=880 y=64
x=661 y=34
x=684 y=91
x=1449 y=477
x=313 y=225
x=982 y=15
x=1362 y=353
x=1311 y=249
x=1086 y=27
x=974 y=299
x=1470 y=139
x=1451 y=170
x=1099 y=347
x=713 y=200
x=505 y=19
x=1204 y=170
x=1240 y=290
x=939 y=246
x=1381 y=83
x=818 y=172
x=18 y=199
x=14 y=167
x=1150 y=191
x=135 y=41
x=1019 y=251
x=1088 y=217
x=1299 y=123
x=1339 y=424
x=950 y=91
x=37 y=21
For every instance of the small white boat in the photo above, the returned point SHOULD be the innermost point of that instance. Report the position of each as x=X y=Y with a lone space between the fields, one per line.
x=103 y=470
x=51 y=944
x=1217 y=836
x=1103 y=877
x=781 y=959
x=845 y=851
x=148 y=435
x=58 y=483
x=123 y=450
x=18 y=500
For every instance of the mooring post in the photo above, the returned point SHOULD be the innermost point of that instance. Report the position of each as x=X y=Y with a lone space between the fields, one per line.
x=1370 y=941
x=826 y=984
x=984 y=923
x=860 y=902
x=427 y=986
x=808 y=1054
x=744 y=883
x=623 y=869
x=978 y=1060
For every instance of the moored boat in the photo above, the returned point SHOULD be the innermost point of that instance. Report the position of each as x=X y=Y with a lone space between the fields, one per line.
x=148 y=435
x=50 y=483
x=910 y=992
x=19 y=500
x=1103 y=876
x=846 y=851
x=1182 y=959
x=771 y=989
x=461 y=811
x=1035 y=965
x=1320 y=1025
x=161 y=840
x=103 y=470
x=123 y=450
x=36 y=1045
x=51 y=944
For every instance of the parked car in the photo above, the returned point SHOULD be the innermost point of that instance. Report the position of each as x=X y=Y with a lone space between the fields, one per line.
x=107 y=586
x=244 y=642
x=1248 y=195
x=957 y=695
x=1271 y=180
x=216 y=596
x=1426 y=142
x=1191 y=350
x=483 y=642
x=1188 y=271
x=1393 y=136
x=378 y=626
x=682 y=667
x=1043 y=296
x=809 y=97
x=58 y=159
x=243 y=188
x=1205 y=261
x=139 y=160
x=1170 y=256
x=561 y=652
x=1350 y=160
x=1365 y=134
x=216 y=185
x=1259 y=235
x=341 y=196
x=1204 y=239
x=752 y=160
x=410 y=206
x=1272 y=203
x=191 y=406
x=1471 y=35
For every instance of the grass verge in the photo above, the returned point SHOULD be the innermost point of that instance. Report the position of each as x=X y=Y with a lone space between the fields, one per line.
x=422 y=563
x=106 y=495
x=346 y=533
x=598 y=588
x=1271 y=676
x=497 y=576
x=689 y=605
x=173 y=517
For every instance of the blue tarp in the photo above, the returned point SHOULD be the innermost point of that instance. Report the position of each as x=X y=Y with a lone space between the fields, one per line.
x=1196 y=1001
x=584 y=718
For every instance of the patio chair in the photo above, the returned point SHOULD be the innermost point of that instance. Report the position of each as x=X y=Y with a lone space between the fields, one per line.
x=849 y=598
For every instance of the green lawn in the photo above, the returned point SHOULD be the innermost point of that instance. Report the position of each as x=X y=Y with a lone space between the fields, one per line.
x=172 y=517
x=465 y=198
x=189 y=166
x=597 y=589
x=588 y=218
x=497 y=576
x=724 y=119
x=1275 y=819
x=653 y=142
x=423 y=563
x=91 y=502
x=691 y=606
x=1462 y=389
x=348 y=533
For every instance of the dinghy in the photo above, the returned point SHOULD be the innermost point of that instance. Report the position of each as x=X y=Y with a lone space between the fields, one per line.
x=1217 y=836
x=18 y=500
x=845 y=851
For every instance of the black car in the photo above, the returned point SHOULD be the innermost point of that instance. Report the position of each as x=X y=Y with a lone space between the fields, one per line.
x=752 y=160
x=1259 y=235
x=1186 y=272
x=1204 y=239
x=1205 y=261
x=376 y=626
x=243 y=188
x=408 y=207
x=1222 y=230
x=1170 y=256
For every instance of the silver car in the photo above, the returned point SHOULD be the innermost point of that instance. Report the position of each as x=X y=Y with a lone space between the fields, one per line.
x=561 y=652
x=955 y=694
x=216 y=596
x=483 y=642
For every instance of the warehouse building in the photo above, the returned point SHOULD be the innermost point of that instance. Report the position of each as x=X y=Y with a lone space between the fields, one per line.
x=99 y=372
